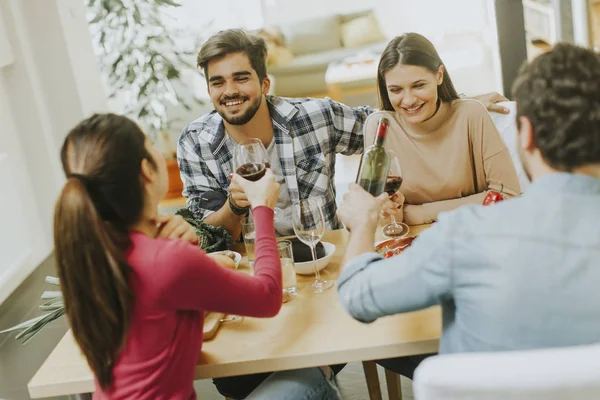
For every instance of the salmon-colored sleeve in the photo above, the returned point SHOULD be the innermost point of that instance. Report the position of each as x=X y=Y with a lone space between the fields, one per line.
x=188 y=279
x=493 y=169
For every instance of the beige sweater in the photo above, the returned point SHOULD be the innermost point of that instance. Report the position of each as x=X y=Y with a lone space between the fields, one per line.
x=452 y=159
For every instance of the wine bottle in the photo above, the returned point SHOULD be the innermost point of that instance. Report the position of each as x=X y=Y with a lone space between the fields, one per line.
x=375 y=163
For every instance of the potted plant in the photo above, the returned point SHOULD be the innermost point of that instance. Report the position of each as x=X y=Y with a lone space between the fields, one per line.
x=142 y=59
x=140 y=62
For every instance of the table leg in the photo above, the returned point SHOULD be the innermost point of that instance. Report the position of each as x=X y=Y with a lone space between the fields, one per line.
x=393 y=385
x=370 y=369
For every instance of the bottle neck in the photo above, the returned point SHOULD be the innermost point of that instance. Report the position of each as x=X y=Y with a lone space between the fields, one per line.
x=380 y=140
x=381 y=132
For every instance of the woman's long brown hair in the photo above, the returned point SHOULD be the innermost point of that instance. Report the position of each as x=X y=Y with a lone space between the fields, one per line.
x=102 y=198
x=411 y=49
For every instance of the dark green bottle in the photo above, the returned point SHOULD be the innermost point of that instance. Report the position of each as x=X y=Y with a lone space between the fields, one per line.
x=375 y=163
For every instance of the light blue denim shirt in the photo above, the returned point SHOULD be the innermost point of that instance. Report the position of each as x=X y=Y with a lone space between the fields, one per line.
x=523 y=273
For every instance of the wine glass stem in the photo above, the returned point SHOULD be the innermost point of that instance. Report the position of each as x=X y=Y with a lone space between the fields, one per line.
x=313 y=250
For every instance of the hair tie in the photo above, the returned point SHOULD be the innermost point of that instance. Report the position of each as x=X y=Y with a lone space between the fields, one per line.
x=105 y=209
x=83 y=178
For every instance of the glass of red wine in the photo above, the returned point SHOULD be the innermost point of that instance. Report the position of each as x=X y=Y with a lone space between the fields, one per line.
x=251 y=160
x=392 y=185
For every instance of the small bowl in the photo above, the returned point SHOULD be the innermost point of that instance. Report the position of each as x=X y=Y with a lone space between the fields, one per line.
x=236 y=260
x=403 y=234
x=307 y=268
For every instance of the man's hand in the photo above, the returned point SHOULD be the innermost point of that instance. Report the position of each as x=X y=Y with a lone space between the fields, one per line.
x=175 y=227
x=238 y=196
x=360 y=209
x=489 y=100
x=263 y=192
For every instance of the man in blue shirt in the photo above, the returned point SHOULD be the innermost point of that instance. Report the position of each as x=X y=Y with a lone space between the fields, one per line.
x=515 y=275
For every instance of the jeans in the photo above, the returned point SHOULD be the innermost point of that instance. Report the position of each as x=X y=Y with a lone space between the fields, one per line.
x=299 y=384
x=404 y=365
x=239 y=387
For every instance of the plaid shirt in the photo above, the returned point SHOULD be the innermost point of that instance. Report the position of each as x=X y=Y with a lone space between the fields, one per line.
x=307 y=132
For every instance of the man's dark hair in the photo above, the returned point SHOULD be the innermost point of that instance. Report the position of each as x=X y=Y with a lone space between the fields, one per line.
x=234 y=41
x=559 y=92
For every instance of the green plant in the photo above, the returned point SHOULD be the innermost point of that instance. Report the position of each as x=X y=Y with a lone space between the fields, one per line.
x=141 y=59
x=54 y=303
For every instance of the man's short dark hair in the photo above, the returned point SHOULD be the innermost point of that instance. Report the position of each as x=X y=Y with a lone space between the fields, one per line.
x=559 y=92
x=232 y=41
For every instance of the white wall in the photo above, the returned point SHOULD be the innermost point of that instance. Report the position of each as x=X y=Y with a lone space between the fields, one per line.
x=428 y=17
x=463 y=31
x=283 y=12
x=50 y=83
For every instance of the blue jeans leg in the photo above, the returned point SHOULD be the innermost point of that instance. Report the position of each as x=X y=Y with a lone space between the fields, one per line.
x=298 y=384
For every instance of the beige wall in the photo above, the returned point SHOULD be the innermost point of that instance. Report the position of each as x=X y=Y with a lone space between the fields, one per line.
x=595 y=21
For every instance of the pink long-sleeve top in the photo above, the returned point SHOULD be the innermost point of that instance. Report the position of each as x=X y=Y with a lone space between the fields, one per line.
x=174 y=282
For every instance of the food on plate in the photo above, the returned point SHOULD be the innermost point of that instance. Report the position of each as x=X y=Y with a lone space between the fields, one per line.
x=391 y=247
x=223 y=260
x=227 y=253
x=492 y=197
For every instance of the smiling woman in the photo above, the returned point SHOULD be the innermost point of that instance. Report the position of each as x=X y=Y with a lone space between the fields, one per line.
x=411 y=75
x=449 y=150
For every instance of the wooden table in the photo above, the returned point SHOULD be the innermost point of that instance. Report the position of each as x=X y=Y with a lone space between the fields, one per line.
x=310 y=330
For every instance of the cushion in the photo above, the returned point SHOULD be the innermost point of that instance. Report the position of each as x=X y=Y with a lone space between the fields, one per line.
x=361 y=31
x=349 y=17
x=314 y=35
x=319 y=61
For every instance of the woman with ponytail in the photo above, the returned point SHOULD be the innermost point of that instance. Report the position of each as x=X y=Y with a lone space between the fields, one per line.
x=136 y=286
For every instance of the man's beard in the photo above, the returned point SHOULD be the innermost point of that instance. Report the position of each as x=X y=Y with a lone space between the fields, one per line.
x=524 y=162
x=240 y=119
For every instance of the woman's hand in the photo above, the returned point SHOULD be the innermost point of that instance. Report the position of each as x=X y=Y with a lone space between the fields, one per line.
x=489 y=100
x=393 y=206
x=175 y=227
x=263 y=192
x=360 y=209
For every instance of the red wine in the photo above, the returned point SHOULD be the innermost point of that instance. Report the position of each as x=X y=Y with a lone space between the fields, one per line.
x=392 y=184
x=375 y=163
x=252 y=171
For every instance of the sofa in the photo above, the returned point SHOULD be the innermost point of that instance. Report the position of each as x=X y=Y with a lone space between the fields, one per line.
x=318 y=42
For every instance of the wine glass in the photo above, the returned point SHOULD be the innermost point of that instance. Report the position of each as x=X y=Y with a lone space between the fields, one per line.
x=309 y=227
x=251 y=160
x=392 y=184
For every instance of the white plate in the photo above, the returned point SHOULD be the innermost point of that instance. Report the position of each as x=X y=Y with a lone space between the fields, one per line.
x=307 y=268
x=237 y=259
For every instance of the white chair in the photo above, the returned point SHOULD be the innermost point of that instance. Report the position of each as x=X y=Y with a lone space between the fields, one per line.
x=507 y=126
x=571 y=373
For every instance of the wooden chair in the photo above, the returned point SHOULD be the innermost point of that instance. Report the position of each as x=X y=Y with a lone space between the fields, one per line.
x=372 y=377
